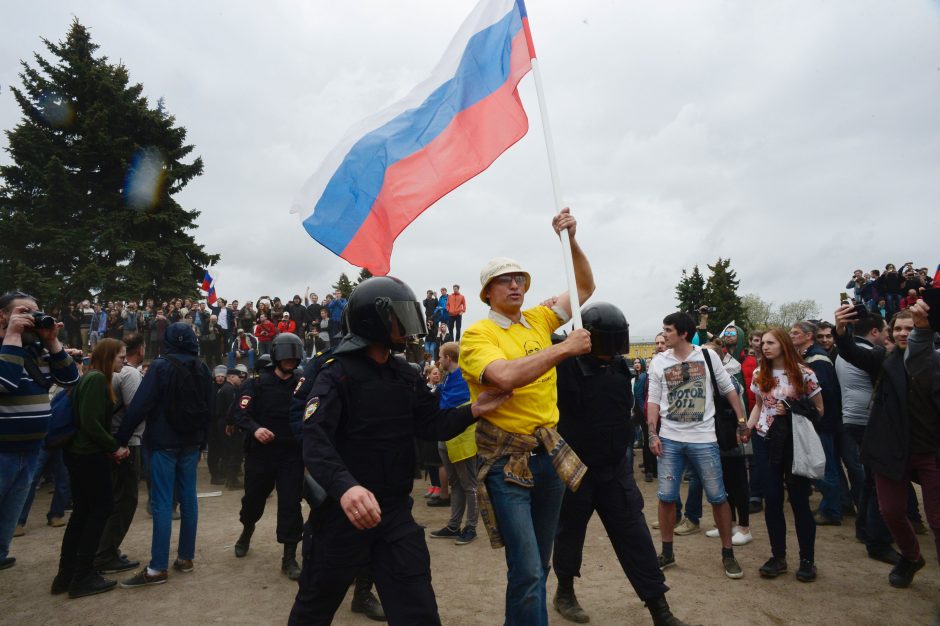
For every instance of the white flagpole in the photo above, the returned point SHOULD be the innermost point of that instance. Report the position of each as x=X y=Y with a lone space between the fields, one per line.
x=559 y=205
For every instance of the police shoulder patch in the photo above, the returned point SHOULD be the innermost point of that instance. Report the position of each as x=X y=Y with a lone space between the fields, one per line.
x=312 y=405
x=245 y=401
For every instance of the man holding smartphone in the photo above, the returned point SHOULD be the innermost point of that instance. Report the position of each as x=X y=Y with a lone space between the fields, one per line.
x=903 y=433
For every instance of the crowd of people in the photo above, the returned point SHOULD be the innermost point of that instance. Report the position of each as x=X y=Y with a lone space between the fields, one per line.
x=527 y=431
x=890 y=291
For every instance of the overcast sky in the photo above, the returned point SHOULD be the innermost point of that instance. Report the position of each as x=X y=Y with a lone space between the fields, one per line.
x=800 y=139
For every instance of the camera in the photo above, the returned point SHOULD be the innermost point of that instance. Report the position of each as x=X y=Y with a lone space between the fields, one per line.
x=705 y=310
x=42 y=321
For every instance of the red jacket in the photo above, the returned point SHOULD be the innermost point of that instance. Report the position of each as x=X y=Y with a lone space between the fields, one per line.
x=456 y=304
x=747 y=368
x=265 y=331
x=286 y=327
x=908 y=301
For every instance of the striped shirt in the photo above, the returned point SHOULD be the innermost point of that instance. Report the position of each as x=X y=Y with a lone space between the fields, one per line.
x=24 y=403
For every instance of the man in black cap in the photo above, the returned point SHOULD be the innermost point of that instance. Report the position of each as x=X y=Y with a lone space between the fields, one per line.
x=273 y=455
x=364 y=410
x=595 y=402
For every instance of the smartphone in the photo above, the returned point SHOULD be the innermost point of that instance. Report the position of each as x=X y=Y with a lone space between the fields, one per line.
x=932 y=298
x=860 y=311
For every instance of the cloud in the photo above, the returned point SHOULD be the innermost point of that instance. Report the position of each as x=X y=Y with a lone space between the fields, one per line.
x=799 y=140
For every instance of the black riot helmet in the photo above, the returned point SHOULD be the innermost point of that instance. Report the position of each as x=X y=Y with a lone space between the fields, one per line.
x=287 y=346
x=369 y=310
x=610 y=332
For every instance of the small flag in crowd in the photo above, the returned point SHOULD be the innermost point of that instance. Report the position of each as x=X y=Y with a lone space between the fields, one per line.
x=211 y=298
x=207 y=281
x=392 y=166
x=936 y=277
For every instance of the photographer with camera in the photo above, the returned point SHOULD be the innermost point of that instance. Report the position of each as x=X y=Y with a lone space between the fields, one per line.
x=31 y=359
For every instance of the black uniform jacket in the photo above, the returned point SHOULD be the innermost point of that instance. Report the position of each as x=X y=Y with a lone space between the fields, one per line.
x=265 y=403
x=360 y=423
x=595 y=401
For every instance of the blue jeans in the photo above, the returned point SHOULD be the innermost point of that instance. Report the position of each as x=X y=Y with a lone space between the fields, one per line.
x=16 y=475
x=251 y=360
x=175 y=467
x=527 y=520
x=704 y=458
x=60 y=476
x=829 y=485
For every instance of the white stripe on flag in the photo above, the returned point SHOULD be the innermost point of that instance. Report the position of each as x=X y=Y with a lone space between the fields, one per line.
x=485 y=14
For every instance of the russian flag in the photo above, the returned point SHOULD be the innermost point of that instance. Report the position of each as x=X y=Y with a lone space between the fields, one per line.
x=206 y=282
x=212 y=298
x=392 y=166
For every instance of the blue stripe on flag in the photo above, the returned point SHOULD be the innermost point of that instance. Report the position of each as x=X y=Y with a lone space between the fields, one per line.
x=351 y=192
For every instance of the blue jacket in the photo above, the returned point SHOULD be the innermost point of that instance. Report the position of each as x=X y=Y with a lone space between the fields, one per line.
x=335 y=307
x=153 y=396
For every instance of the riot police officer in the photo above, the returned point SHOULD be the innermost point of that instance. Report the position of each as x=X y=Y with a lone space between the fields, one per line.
x=273 y=455
x=364 y=409
x=363 y=600
x=595 y=400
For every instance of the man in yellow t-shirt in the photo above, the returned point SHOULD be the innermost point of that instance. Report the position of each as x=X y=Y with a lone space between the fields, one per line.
x=511 y=350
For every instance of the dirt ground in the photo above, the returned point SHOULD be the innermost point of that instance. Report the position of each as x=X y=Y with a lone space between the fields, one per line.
x=470 y=580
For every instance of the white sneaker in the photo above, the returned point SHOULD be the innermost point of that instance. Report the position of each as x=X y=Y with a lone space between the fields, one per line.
x=741 y=539
x=714 y=532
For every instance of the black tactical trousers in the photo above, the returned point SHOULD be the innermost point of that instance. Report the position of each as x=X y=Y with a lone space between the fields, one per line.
x=335 y=551
x=266 y=467
x=618 y=502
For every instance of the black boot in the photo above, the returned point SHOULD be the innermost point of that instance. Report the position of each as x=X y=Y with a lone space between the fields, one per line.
x=244 y=540
x=662 y=616
x=90 y=584
x=364 y=601
x=566 y=602
x=62 y=580
x=289 y=561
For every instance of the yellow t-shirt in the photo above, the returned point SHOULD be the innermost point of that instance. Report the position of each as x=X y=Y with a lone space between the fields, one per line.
x=486 y=341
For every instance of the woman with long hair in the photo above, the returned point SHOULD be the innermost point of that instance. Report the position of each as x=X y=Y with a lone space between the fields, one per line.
x=781 y=380
x=88 y=457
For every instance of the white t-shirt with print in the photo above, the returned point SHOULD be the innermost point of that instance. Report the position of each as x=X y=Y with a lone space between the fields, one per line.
x=782 y=389
x=683 y=390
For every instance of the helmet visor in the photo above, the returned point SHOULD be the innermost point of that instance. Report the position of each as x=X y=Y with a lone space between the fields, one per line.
x=609 y=343
x=410 y=318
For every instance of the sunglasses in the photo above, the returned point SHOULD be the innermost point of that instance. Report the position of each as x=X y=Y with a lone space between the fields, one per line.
x=506 y=279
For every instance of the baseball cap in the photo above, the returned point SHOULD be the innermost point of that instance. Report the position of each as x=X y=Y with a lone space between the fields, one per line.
x=498 y=266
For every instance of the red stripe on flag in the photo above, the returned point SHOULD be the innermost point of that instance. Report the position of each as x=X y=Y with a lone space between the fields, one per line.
x=474 y=139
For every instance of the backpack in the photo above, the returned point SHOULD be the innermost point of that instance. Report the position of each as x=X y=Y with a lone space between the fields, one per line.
x=63 y=424
x=187 y=410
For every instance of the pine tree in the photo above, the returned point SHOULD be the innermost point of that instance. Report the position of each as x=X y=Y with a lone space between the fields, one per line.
x=344 y=286
x=721 y=292
x=364 y=274
x=690 y=292
x=87 y=206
